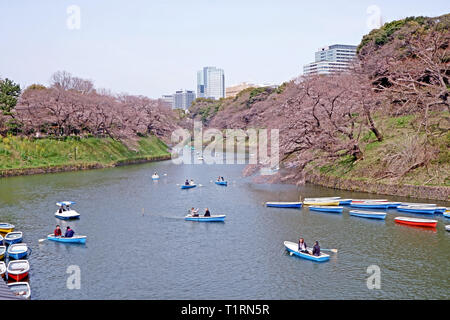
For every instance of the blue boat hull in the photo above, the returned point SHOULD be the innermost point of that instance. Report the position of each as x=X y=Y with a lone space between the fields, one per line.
x=369 y=206
x=222 y=183
x=308 y=256
x=17 y=256
x=326 y=210
x=345 y=202
x=368 y=216
x=423 y=211
x=9 y=242
x=447 y=215
x=440 y=210
x=67 y=240
x=67 y=218
x=201 y=219
x=188 y=187
x=299 y=205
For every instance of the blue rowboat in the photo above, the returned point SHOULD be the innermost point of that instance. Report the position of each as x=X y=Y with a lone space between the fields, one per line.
x=393 y=204
x=327 y=209
x=284 y=204
x=345 y=202
x=13 y=237
x=446 y=214
x=74 y=239
x=222 y=183
x=368 y=214
x=417 y=209
x=212 y=218
x=293 y=249
x=188 y=186
x=369 y=205
x=17 y=251
x=440 y=209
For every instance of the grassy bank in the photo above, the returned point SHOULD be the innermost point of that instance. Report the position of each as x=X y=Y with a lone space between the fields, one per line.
x=20 y=154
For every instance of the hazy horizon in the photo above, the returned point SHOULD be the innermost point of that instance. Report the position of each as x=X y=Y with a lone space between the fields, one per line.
x=156 y=48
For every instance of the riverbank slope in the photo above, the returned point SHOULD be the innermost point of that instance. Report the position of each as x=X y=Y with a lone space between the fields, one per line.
x=23 y=156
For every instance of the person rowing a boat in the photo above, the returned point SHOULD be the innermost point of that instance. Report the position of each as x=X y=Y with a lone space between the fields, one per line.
x=316 y=249
x=302 y=247
x=69 y=233
x=193 y=212
x=57 y=232
x=207 y=213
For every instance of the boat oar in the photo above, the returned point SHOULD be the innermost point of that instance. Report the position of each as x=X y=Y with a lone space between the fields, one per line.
x=332 y=250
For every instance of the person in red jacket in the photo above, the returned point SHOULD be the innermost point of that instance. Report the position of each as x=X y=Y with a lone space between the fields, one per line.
x=57 y=231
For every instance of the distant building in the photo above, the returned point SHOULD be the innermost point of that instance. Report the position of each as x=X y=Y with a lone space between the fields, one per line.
x=168 y=98
x=183 y=99
x=211 y=83
x=335 y=58
x=234 y=90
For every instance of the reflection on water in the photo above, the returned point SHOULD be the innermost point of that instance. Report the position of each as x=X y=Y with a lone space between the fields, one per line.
x=139 y=246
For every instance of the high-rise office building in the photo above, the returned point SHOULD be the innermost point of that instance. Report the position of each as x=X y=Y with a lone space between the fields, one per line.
x=183 y=99
x=168 y=98
x=211 y=83
x=335 y=58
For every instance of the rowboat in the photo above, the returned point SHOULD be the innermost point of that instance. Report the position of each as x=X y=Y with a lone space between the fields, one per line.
x=417 y=209
x=284 y=204
x=447 y=227
x=369 y=205
x=21 y=289
x=18 y=269
x=74 y=239
x=393 y=204
x=417 y=222
x=155 y=177
x=6 y=227
x=322 y=199
x=322 y=203
x=66 y=214
x=369 y=200
x=326 y=209
x=446 y=214
x=345 y=202
x=293 y=249
x=2 y=252
x=2 y=270
x=368 y=214
x=212 y=218
x=184 y=186
x=418 y=204
x=440 y=209
x=17 y=251
x=222 y=183
x=13 y=237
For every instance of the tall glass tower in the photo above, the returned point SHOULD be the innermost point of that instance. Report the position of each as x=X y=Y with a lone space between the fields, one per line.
x=211 y=83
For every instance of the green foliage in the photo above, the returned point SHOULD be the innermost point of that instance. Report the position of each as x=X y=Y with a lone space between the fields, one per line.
x=383 y=35
x=9 y=93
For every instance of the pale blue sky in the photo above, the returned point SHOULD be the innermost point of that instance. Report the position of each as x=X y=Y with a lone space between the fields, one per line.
x=156 y=47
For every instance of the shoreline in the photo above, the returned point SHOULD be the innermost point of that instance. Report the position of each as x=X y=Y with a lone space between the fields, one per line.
x=440 y=193
x=4 y=173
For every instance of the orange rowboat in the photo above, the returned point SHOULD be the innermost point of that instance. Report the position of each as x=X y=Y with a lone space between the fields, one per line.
x=428 y=223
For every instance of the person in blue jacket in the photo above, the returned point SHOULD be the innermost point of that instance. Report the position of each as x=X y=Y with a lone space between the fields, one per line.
x=69 y=233
x=316 y=249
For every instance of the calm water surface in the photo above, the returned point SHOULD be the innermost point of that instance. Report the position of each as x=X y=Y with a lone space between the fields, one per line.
x=139 y=246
